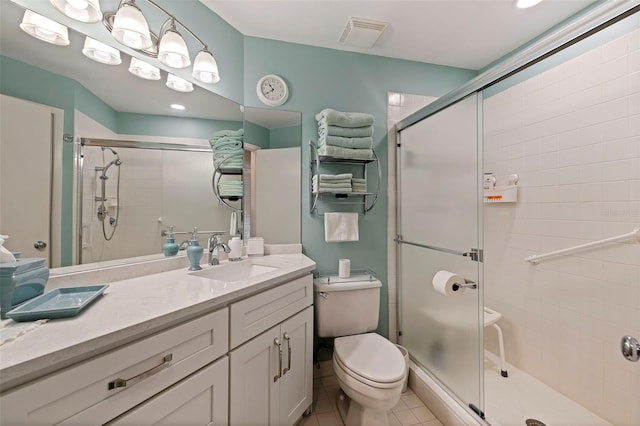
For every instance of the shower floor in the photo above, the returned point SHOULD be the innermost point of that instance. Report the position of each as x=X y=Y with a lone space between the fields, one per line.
x=511 y=401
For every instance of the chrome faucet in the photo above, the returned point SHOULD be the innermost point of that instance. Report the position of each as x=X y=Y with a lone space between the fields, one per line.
x=213 y=245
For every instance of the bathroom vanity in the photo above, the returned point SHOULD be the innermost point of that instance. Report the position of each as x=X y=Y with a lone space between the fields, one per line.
x=231 y=344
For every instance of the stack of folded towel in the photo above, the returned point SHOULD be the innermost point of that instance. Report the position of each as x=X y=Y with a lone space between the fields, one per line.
x=345 y=134
x=230 y=188
x=359 y=185
x=340 y=184
x=227 y=148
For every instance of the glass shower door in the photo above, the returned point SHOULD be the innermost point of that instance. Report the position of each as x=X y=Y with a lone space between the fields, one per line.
x=438 y=227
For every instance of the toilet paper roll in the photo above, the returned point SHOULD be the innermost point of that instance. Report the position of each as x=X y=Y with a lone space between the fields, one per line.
x=448 y=284
x=344 y=268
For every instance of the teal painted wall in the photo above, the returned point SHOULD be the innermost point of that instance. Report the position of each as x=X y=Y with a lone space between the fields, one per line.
x=320 y=78
x=256 y=134
x=161 y=125
x=285 y=137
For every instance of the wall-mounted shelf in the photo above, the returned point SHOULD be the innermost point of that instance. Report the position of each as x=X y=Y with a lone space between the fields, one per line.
x=219 y=172
x=365 y=199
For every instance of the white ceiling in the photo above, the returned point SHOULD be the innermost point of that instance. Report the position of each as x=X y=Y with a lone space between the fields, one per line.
x=461 y=33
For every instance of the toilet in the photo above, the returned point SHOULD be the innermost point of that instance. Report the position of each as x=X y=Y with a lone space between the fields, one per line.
x=369 y=368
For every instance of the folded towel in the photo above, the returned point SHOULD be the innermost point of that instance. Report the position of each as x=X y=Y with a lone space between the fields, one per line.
x=232 y=133
x=340 y=227
x=338 y=151
x=356 y=143
x=358 y=180
x=336 y=186
x=344 y=119
x=327 y=177
x=348 y=132
x=226 y=143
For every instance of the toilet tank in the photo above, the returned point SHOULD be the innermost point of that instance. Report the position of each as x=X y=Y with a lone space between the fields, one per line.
x=346 y=306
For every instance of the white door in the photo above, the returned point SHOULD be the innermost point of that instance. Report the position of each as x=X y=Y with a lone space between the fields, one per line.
x=26 y=137
x=296 y=385
x=201 y=399
x=253 y=390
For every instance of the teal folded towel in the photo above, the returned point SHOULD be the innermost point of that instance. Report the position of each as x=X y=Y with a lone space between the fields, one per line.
x=347 y=132
x=355 y=143
x=231 y=133
x=344 y=119
x=340 y=152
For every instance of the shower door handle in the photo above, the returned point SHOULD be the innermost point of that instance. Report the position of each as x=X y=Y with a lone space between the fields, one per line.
x=40 y=245
x=630 y=348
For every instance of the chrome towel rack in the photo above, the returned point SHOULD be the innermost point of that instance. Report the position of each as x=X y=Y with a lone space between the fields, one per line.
x=635 y=234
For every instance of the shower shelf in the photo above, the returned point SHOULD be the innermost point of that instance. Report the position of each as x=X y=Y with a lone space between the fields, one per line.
x=501 y=194
x=365 y=199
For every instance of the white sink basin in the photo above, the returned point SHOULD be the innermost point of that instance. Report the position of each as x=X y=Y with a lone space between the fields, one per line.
x=232 y=271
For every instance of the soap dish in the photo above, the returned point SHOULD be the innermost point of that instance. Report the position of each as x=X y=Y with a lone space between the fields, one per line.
x=59 y=303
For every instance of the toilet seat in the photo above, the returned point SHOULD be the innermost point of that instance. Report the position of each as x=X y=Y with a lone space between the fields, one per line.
x=371 y=359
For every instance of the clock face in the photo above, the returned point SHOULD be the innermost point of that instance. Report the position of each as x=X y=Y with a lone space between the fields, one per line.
x=272 y=90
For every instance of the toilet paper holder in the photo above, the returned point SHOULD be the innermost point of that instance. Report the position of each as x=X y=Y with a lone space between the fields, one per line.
x=467 y=284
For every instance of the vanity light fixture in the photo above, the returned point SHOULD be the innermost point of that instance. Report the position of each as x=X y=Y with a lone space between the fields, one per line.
x=178 y=84
x=129 y=26
x=142 y=69
x=80 y=10
x=205 y=67
x=179 y=107
x=44 y=29
x=100 y=52
x=524 y=4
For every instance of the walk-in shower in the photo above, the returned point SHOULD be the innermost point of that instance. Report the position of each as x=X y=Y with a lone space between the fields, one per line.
x=564 y=115
x=104 y=202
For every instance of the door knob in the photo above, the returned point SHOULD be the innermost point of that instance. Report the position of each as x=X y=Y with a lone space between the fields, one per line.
x=40 y=245
x=630 y=348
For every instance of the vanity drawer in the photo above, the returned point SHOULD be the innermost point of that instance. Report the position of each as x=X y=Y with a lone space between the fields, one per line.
x=256 y=314
x=95 y=392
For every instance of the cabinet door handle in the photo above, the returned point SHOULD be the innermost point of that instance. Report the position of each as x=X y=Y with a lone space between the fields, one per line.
x=277 y=342
x=288 y=339
x=121 y=383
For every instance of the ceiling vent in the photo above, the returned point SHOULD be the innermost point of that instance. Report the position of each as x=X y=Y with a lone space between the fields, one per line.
x=362 y=32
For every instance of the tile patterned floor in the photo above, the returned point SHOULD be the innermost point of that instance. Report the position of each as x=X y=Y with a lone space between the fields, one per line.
x=409 y=411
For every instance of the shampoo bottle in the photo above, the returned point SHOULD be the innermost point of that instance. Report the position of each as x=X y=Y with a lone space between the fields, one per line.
x=194 y=251
x=5 y=255
x=170 y=248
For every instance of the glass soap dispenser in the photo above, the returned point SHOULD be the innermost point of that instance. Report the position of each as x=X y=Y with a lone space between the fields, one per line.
x=170 y=248
x=194 y=251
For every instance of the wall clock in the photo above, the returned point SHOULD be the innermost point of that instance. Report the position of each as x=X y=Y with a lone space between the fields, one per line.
x=272 y=90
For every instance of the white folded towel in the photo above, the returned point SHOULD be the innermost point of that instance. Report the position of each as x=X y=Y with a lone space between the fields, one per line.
x=340 y=227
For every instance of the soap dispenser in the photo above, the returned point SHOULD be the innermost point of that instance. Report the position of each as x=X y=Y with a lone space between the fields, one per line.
x=170 y=248
x=194 y=251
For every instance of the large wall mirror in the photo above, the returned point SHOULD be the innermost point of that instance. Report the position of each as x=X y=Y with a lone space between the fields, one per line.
x=108 y=199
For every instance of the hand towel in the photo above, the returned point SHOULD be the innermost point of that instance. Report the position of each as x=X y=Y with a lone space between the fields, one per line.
x=338 y=151
x=347 y=132
x=355 y=143
x=340 y=227
x=344 y=119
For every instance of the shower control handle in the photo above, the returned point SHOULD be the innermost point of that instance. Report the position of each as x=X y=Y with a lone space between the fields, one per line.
x=40 y=245
x=630 y=348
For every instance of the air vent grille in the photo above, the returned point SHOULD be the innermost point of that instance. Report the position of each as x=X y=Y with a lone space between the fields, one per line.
x=362 y=32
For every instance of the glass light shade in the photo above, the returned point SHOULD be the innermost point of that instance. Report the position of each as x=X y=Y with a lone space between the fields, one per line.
x=100 y=52
x=44 y=29
x=80 y=10
x=205 y=68
x=179 y=84
x=523 y=4
x=131 y=28
x=173 y=50
x=144 y=70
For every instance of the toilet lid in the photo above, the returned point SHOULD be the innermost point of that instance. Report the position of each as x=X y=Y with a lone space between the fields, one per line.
x=370 y=356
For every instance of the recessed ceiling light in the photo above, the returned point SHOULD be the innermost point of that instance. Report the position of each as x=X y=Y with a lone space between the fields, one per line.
x=178 y=106
x=523 y=4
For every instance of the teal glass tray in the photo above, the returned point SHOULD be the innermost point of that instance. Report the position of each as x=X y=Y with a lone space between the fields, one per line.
x=59 y=303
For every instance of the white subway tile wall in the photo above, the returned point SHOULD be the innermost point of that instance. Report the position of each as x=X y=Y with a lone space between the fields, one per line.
x=572 y=134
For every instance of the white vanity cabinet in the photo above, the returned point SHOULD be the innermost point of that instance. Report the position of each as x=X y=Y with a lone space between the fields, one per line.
x=271 y=376
x=100 y=389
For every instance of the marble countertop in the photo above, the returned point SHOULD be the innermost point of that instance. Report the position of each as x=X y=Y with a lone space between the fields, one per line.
x=128 y=310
